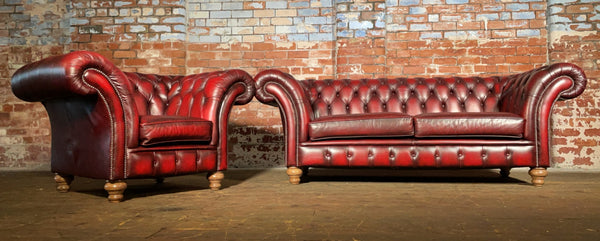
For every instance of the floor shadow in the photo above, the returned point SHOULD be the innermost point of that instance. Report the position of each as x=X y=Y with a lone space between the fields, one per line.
x=137 y=188
x=403 y=175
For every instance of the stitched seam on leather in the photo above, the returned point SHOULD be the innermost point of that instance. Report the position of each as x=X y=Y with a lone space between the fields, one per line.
x=549 y=116
x=287 y=125
x=112 y=122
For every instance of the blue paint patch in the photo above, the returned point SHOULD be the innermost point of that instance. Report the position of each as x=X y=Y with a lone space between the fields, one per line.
x=434 y=35
x=408 y=2
x=360 y=33
x=417 y=10
x=457 y=1
x=528 y=33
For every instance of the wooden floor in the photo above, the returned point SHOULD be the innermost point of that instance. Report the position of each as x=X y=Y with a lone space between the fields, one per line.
x=334 y=204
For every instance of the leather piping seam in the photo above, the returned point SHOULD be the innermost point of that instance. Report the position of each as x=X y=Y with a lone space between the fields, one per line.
x=222 y=108
x=287 y=124
x=112 y=122
x=537 y=128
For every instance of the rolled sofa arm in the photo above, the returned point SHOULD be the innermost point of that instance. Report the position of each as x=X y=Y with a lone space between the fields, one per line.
x=532 y=95
x=525 y=93
x=275 y=87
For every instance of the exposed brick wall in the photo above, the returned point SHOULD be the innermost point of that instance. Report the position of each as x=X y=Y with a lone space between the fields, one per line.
x=575 y=37
x=309 y=39
x=145 y=36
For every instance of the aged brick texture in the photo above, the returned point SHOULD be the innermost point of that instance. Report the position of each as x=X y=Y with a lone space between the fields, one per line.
x=309 y=39
x=27 y=33
x=575 y=37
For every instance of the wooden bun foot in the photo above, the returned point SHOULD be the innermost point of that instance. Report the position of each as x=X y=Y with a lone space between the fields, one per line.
x=294 y=173
x=537 y=176
x=63 y=182
x=115 y=190
x=215 y=179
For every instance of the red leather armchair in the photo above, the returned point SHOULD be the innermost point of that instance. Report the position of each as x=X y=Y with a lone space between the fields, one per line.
x=492 y=122
x=115 y=125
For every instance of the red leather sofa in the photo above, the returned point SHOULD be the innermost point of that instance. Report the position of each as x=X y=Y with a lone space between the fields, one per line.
x=116 y=125
x=492 y=122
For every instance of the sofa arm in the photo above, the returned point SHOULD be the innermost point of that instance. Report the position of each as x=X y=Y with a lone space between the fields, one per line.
x=532 y=95
x=275 y=87
x=528 y=93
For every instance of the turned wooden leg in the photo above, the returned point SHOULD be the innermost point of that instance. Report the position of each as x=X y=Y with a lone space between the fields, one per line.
x=505 y=172
x=537 y=175
x=295 y=174
x=115 y=190
x=63 y=182
x=214 y=178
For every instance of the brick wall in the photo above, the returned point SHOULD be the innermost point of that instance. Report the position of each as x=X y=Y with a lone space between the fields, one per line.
x=309 y=39
x=575 y=37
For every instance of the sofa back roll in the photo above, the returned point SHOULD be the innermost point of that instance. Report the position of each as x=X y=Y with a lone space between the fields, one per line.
x=412 y=96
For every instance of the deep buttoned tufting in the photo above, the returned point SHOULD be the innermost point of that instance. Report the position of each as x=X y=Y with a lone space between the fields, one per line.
x=118 y=125
x=453 y=122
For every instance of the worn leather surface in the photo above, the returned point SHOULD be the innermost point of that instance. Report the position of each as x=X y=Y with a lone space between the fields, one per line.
x=507 y=124
x=364 y=125
x=163 y=129
x=469 y=124
x=95 y=111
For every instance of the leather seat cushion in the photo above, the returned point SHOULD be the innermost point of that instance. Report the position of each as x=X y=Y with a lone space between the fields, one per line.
x=469 y=124
x=157 y=129
x=361 y=125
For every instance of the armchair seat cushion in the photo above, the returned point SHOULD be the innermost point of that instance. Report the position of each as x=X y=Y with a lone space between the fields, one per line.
x=361 y=125
x=158 y=129
x=469 y=124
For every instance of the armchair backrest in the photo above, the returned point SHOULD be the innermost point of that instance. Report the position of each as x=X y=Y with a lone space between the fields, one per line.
x=412 y=96
x=170 y=95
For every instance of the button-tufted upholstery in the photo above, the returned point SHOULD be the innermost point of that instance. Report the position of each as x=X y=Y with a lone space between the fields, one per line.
x=454 y=122
x=118 y=125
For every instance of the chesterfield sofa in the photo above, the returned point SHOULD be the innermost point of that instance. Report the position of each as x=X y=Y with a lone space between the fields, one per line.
x=114 y=125
x=492 y=122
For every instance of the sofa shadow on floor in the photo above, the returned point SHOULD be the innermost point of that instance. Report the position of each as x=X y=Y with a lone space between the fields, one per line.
x=137 y=188
x=409 y=175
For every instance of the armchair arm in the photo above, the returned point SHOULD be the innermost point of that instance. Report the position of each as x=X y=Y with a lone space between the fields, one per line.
x=274 y=86
x=88 y=101
x=77 y=73
x=222 y=90
x=60 y=76
x=532 y=95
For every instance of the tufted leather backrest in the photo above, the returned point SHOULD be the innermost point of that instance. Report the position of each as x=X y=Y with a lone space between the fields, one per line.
x=411 y=96
x=170 y=95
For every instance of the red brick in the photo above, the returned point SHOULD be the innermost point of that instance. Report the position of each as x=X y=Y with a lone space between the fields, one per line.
x=449 y=69
x=517 y=59
x=445 y=61
x=581 y=161
x=263 y=46
x=135 y=62
x=414 y=70
x=580 y=8
x=124 y=54
x=298 y=54
x=254 y=55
